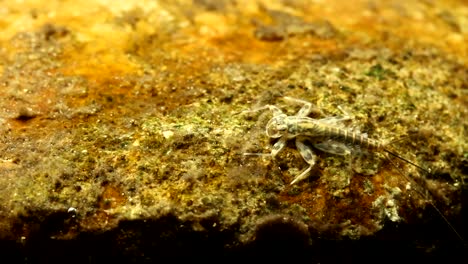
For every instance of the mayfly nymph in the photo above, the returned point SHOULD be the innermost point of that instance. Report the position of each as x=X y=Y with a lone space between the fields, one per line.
x=324 y=133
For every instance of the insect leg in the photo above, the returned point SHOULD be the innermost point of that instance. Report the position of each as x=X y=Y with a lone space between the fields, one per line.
x=309 y=157
x=276 y=111
x=333 y=120
x=306 y=108
x=345 y=113
x=278 y=146
x=333 y=147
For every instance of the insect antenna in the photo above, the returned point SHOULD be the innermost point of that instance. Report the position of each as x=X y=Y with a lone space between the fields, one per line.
x=420 y=192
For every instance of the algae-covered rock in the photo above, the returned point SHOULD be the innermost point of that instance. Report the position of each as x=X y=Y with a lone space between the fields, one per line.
x=124 y=128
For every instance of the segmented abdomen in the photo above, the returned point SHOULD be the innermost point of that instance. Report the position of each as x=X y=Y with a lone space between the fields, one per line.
x=319 y=130
x=354 y=138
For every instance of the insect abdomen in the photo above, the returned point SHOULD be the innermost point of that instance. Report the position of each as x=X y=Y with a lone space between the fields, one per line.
x=354 y=138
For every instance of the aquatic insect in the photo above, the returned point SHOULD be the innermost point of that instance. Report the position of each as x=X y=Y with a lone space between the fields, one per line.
x=325 y=134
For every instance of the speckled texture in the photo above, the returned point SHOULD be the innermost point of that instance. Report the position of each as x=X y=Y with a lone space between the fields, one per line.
x=124 y=122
